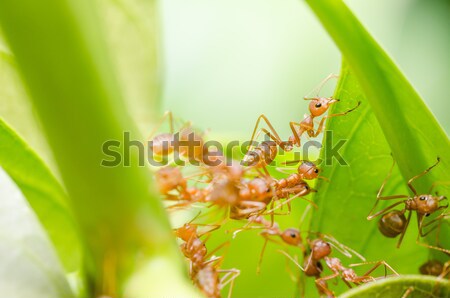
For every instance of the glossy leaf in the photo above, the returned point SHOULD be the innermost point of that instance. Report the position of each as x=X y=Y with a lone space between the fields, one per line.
x=72 y=84
x=414 y=136
x=415 y=286
x=44 y=194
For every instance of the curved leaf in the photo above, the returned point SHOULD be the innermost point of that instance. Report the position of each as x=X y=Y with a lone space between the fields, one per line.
x=418 y=286
x=75 y=92
x=44 y=194
x=411 y=130
x=28 y=264
x=346 y=200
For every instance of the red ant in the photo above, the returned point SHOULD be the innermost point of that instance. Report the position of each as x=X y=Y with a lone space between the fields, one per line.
x=190 y=143
x=393 y=222
x=435 y=268
x=173 y=186
x=317 y=107
x=204 y=268
x=321 y=249
x=290 y=236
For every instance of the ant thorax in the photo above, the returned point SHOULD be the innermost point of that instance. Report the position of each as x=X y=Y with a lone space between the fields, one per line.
x=307 y=122
x=424 y=204
x=320 y=249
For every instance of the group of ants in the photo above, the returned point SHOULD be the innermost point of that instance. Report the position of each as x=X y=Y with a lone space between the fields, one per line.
x=247 y=192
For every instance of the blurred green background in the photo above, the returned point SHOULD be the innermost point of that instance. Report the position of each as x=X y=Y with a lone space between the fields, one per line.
x=225 y=62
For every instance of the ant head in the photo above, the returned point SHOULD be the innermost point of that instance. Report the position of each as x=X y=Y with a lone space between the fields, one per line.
x=319 y=105
x=260 y=188
x=426 y=204
x=392 y=223
x=432 y=267
x=186 y=231
x=292 y=237
x=308 y=170
x=320 y=249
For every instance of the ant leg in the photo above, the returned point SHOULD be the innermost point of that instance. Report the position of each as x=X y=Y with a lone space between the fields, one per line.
x=420 y=175
x=282 y=170
x=437 y=183
x=319 y=283
x=228 y=278
x=445 y=270
x=420 y=224
x=167 y=114
x=297 y=133
x=322 y=121
x=292 y=259
x=261 y=254
x=263 y=117
x=300 y=194
x=345 y=250
x=404 y=230
x=379 y=197
x=377 y=264
x=372 y=216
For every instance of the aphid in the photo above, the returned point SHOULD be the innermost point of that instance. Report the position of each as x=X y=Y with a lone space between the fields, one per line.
x=394 y=222
x=204 y=267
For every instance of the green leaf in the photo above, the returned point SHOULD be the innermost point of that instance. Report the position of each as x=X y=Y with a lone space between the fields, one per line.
x=44 y=194
x=417 y=285
x=135 y=59
x=413 y=134
x=29 y=266
x=64 y=61
x=345 y=201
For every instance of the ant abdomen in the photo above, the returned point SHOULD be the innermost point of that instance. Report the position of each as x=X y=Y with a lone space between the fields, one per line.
x=432 y=267
x=313 y=268
x=262 y=155
x=392 y=223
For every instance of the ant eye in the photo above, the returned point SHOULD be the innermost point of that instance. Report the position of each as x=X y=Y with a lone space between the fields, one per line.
x=422 y=198
x=318 y=105
x=316 y=171
x=293 y=235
